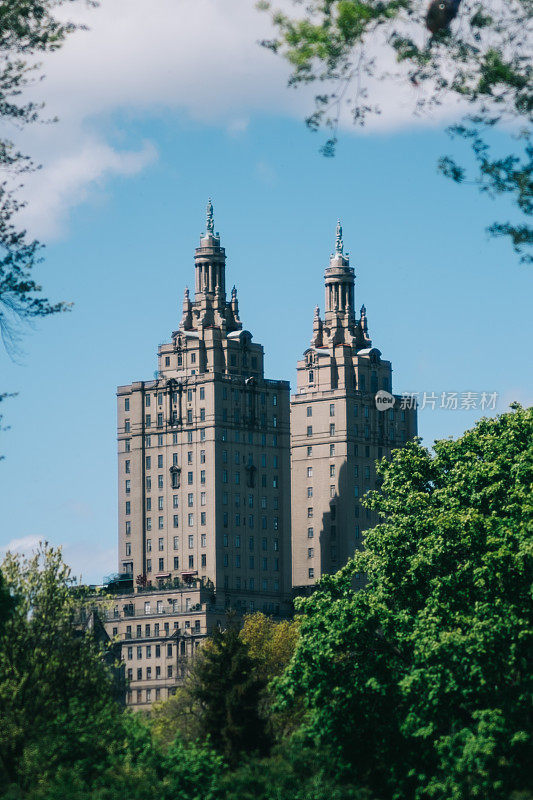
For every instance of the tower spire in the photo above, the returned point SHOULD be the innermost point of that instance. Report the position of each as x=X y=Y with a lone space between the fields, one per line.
x=210 y=222
x=339 y=246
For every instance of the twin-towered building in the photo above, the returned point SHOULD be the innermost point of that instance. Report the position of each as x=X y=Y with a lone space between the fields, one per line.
x=213 y=456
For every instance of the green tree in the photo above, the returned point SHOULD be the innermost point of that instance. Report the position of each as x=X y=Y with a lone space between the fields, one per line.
x=479 y=56
x=137 y=768
x=294 y=771
x=179 y=716
x=56 y=694
x=271 y=643
x=228 y=692
x=419 y=684
x=7 y=603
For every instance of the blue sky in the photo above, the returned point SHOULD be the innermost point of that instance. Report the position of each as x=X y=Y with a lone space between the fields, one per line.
x=450 y=308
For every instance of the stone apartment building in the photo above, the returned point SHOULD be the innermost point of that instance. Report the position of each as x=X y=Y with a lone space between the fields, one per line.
x=204 y=485
x=337 y=430
x=206 y=475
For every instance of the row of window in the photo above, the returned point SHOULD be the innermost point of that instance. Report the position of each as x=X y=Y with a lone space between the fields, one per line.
x=240 y=583
x=201 y=417
x=176 y=542
x=238 y=520
x=176 y=606
x=251 y=562
x=379 y=451
x=366 y=412
x=176 y=562
x=148 y=650
x=223 y=436
x=148 y=674
x=237 y=479
x=237 y=460
x=234 y=392
x=374 y=385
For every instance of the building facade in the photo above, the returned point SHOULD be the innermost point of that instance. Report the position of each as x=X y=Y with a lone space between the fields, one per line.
x=204 y=477
x=211 y=457
x=338 y=431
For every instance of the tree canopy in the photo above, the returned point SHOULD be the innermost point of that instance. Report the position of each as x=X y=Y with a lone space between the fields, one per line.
x=419 y=684
x=56 y=694
x=477 y=53
x=416 y=686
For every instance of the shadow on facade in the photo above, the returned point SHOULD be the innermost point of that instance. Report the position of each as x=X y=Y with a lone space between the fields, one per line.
x=343 y=525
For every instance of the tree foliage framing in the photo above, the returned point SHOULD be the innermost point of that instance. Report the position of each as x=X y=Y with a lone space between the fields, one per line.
x=483 y=59
x=27 y=29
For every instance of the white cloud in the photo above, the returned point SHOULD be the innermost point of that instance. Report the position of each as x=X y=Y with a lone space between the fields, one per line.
x=198 y=56
x=26 y=545
x=89 y=560
x=68 y=179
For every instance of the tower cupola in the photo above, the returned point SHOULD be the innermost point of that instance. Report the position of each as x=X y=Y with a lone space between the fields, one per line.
x=339 y=279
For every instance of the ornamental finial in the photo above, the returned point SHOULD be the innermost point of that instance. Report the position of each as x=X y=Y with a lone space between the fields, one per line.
x=210 y=223
x=338 y=239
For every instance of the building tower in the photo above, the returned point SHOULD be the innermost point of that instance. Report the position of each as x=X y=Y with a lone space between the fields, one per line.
x=204 y=467
x=337 y=431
